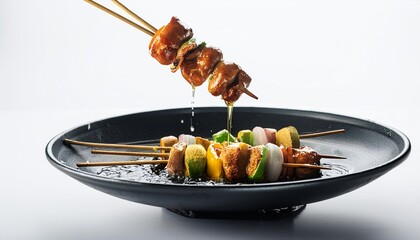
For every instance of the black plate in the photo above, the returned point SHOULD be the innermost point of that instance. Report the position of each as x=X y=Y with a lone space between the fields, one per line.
x=371 y=149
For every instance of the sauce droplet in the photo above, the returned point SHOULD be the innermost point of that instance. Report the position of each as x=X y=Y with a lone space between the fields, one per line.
x=229 y=118
x=192 y=129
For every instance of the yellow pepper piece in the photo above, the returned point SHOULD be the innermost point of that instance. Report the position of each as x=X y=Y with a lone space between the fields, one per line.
x=214 y=162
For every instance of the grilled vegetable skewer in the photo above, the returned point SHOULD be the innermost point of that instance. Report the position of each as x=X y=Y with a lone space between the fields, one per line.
x=233 y=162
x=196 y=156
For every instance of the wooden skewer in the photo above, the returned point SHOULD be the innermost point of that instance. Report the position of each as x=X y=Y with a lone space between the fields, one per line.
x=110 y=145
x=140 y=162
x=152 y=154
x=331 y=156
x=167 y=155
x=124 y=153
x=141 y=20
x=303 y=165
x=99 y=164
x=147 y=31
x=247 y=92
x=319 y=134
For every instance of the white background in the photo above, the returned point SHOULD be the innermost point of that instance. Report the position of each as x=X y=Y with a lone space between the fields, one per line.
x=66 y=63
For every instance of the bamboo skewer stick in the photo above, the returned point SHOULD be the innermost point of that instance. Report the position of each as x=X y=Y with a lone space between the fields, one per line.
x=303 y=165
x=149 y=154
x=294 y=165
x=124 y=153
x=147 y=31
x=331 y=156
x=114 y=163
x=319 y=134
x=249 y=93
x=110 y=145
x=137 y=17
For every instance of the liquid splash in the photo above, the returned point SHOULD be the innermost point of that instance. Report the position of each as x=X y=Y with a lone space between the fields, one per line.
x=192 y=129
x=158 y=174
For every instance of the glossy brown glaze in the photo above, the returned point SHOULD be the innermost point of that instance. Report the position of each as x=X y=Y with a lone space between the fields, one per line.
x=223 y=75
x=236 y=88
x=166 y=41
x=197 y=69
x=173 y=45
x=187 y=47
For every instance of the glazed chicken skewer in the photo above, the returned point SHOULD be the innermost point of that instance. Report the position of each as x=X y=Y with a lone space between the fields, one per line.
x=173 y=44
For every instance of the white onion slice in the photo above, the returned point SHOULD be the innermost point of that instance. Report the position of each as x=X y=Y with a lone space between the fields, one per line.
x=274 y=164
x=260 y=138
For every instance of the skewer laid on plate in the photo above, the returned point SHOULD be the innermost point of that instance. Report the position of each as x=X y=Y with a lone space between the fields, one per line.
x=166 y=155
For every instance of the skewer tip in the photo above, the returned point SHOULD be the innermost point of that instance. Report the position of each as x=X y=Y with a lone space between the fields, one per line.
x=249 y=93
x=332 y=156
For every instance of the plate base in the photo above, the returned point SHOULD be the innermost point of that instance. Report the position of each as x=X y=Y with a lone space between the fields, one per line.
x=263 y=214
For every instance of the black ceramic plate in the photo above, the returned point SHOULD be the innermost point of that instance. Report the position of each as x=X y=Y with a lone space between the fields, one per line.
x=371 y=150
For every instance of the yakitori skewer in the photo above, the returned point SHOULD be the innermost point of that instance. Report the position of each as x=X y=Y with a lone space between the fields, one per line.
x=173 y=44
